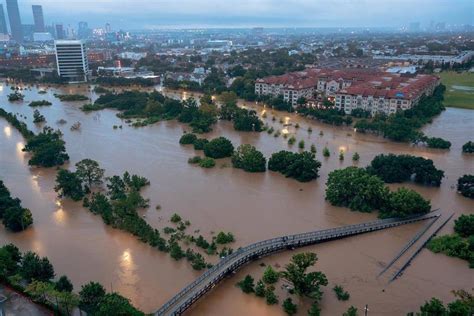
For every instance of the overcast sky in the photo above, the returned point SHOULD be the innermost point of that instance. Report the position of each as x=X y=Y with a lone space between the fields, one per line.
x=139 y=14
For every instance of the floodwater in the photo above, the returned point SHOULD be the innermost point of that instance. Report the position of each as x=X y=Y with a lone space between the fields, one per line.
x=251 y=206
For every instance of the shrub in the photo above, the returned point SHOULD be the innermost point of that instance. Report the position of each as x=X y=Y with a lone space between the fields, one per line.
x=219 y=148
x=300 y=166
x=207 y=162
x=464 y=225
x=292 y=140
x=224 y=238
x=194 y=160
x=187 y=139
x=247 y=284
x=39 y=103
x=270 y=276
x=468 y=147
x=340 y=293
x=466 y=185
x=175 y=218
x=436 y=142
x=248 y=158
x=356 y=156
x=200 y=143
x=301 y=144
x=326 y=152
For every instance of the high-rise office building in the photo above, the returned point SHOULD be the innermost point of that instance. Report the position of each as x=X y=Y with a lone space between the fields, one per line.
x=71 y=60
x=38 y=18
x=59 y=32
x=15 y=20
x=3 y=21
x=83 y=30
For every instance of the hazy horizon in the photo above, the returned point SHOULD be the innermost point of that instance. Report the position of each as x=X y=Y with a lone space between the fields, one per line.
x=141 y=14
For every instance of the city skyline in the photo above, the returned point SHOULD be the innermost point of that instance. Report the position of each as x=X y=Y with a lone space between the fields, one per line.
x=268 y=13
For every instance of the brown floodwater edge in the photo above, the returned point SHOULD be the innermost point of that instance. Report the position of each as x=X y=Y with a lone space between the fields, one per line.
x=251 y=206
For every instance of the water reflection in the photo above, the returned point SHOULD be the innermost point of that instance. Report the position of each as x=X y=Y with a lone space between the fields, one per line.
x=7 y=131
x=34 y=183
x=19 y=150
x=128 y=269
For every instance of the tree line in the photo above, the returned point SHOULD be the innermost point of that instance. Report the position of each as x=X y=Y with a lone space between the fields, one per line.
x=14 y=217
x=47 y=148
x=118 y=207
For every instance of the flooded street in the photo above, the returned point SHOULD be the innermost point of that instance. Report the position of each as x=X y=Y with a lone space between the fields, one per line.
x=251 y=206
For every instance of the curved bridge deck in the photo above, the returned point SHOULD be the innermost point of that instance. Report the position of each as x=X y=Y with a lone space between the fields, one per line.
x=199 y=287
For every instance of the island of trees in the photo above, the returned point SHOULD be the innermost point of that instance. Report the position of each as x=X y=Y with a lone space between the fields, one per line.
x=71 y=97
x=460 y=244
x=358 y=190
x=401 y=168
x=39 y=103
x=301 y=166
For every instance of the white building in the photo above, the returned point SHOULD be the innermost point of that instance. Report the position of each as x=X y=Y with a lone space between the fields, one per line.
x=71 y=60
x=436 y=59
x=42 y=37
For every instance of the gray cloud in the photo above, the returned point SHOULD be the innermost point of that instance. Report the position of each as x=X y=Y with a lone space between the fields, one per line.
x=236 y=13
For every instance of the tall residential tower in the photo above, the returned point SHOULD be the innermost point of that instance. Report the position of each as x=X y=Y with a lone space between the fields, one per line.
x=71 y=59
x=15 y=20
x=38 y=18
x=3 y=21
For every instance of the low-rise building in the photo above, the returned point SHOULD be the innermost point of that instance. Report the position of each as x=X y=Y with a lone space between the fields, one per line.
x=373 y=91
x=388 y=95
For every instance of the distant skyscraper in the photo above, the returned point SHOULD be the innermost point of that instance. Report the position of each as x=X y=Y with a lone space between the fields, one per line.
x=15 y=20
x=38 y=18
x=83 y=30
x=59 y=32
x=108 y=29
x=71 y=59
x=3 y=21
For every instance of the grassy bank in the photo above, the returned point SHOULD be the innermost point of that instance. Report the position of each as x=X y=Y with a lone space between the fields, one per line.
x=459 y=89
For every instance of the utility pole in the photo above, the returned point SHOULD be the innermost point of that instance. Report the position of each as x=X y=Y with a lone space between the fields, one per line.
x=366 y=309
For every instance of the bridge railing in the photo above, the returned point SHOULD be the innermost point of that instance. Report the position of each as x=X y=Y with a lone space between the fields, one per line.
x=289 y=240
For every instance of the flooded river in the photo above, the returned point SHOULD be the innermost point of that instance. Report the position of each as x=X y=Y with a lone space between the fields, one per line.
x=251 y=206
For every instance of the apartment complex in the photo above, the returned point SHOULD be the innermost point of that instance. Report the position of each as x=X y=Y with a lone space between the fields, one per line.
x=373 y=91
x=71 y=60
x=387 y=94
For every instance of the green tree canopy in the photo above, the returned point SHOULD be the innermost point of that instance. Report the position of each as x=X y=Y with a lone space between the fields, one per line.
x=69 y=184
x=305 y=284
x=219 y=147
x=247 y=157
x=89 y=172
x=354 y=188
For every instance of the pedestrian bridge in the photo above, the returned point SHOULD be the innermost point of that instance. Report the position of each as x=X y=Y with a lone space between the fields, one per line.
x=203 y=284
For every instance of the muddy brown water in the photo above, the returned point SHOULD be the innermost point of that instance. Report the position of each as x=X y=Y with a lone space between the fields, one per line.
x=252 y=206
